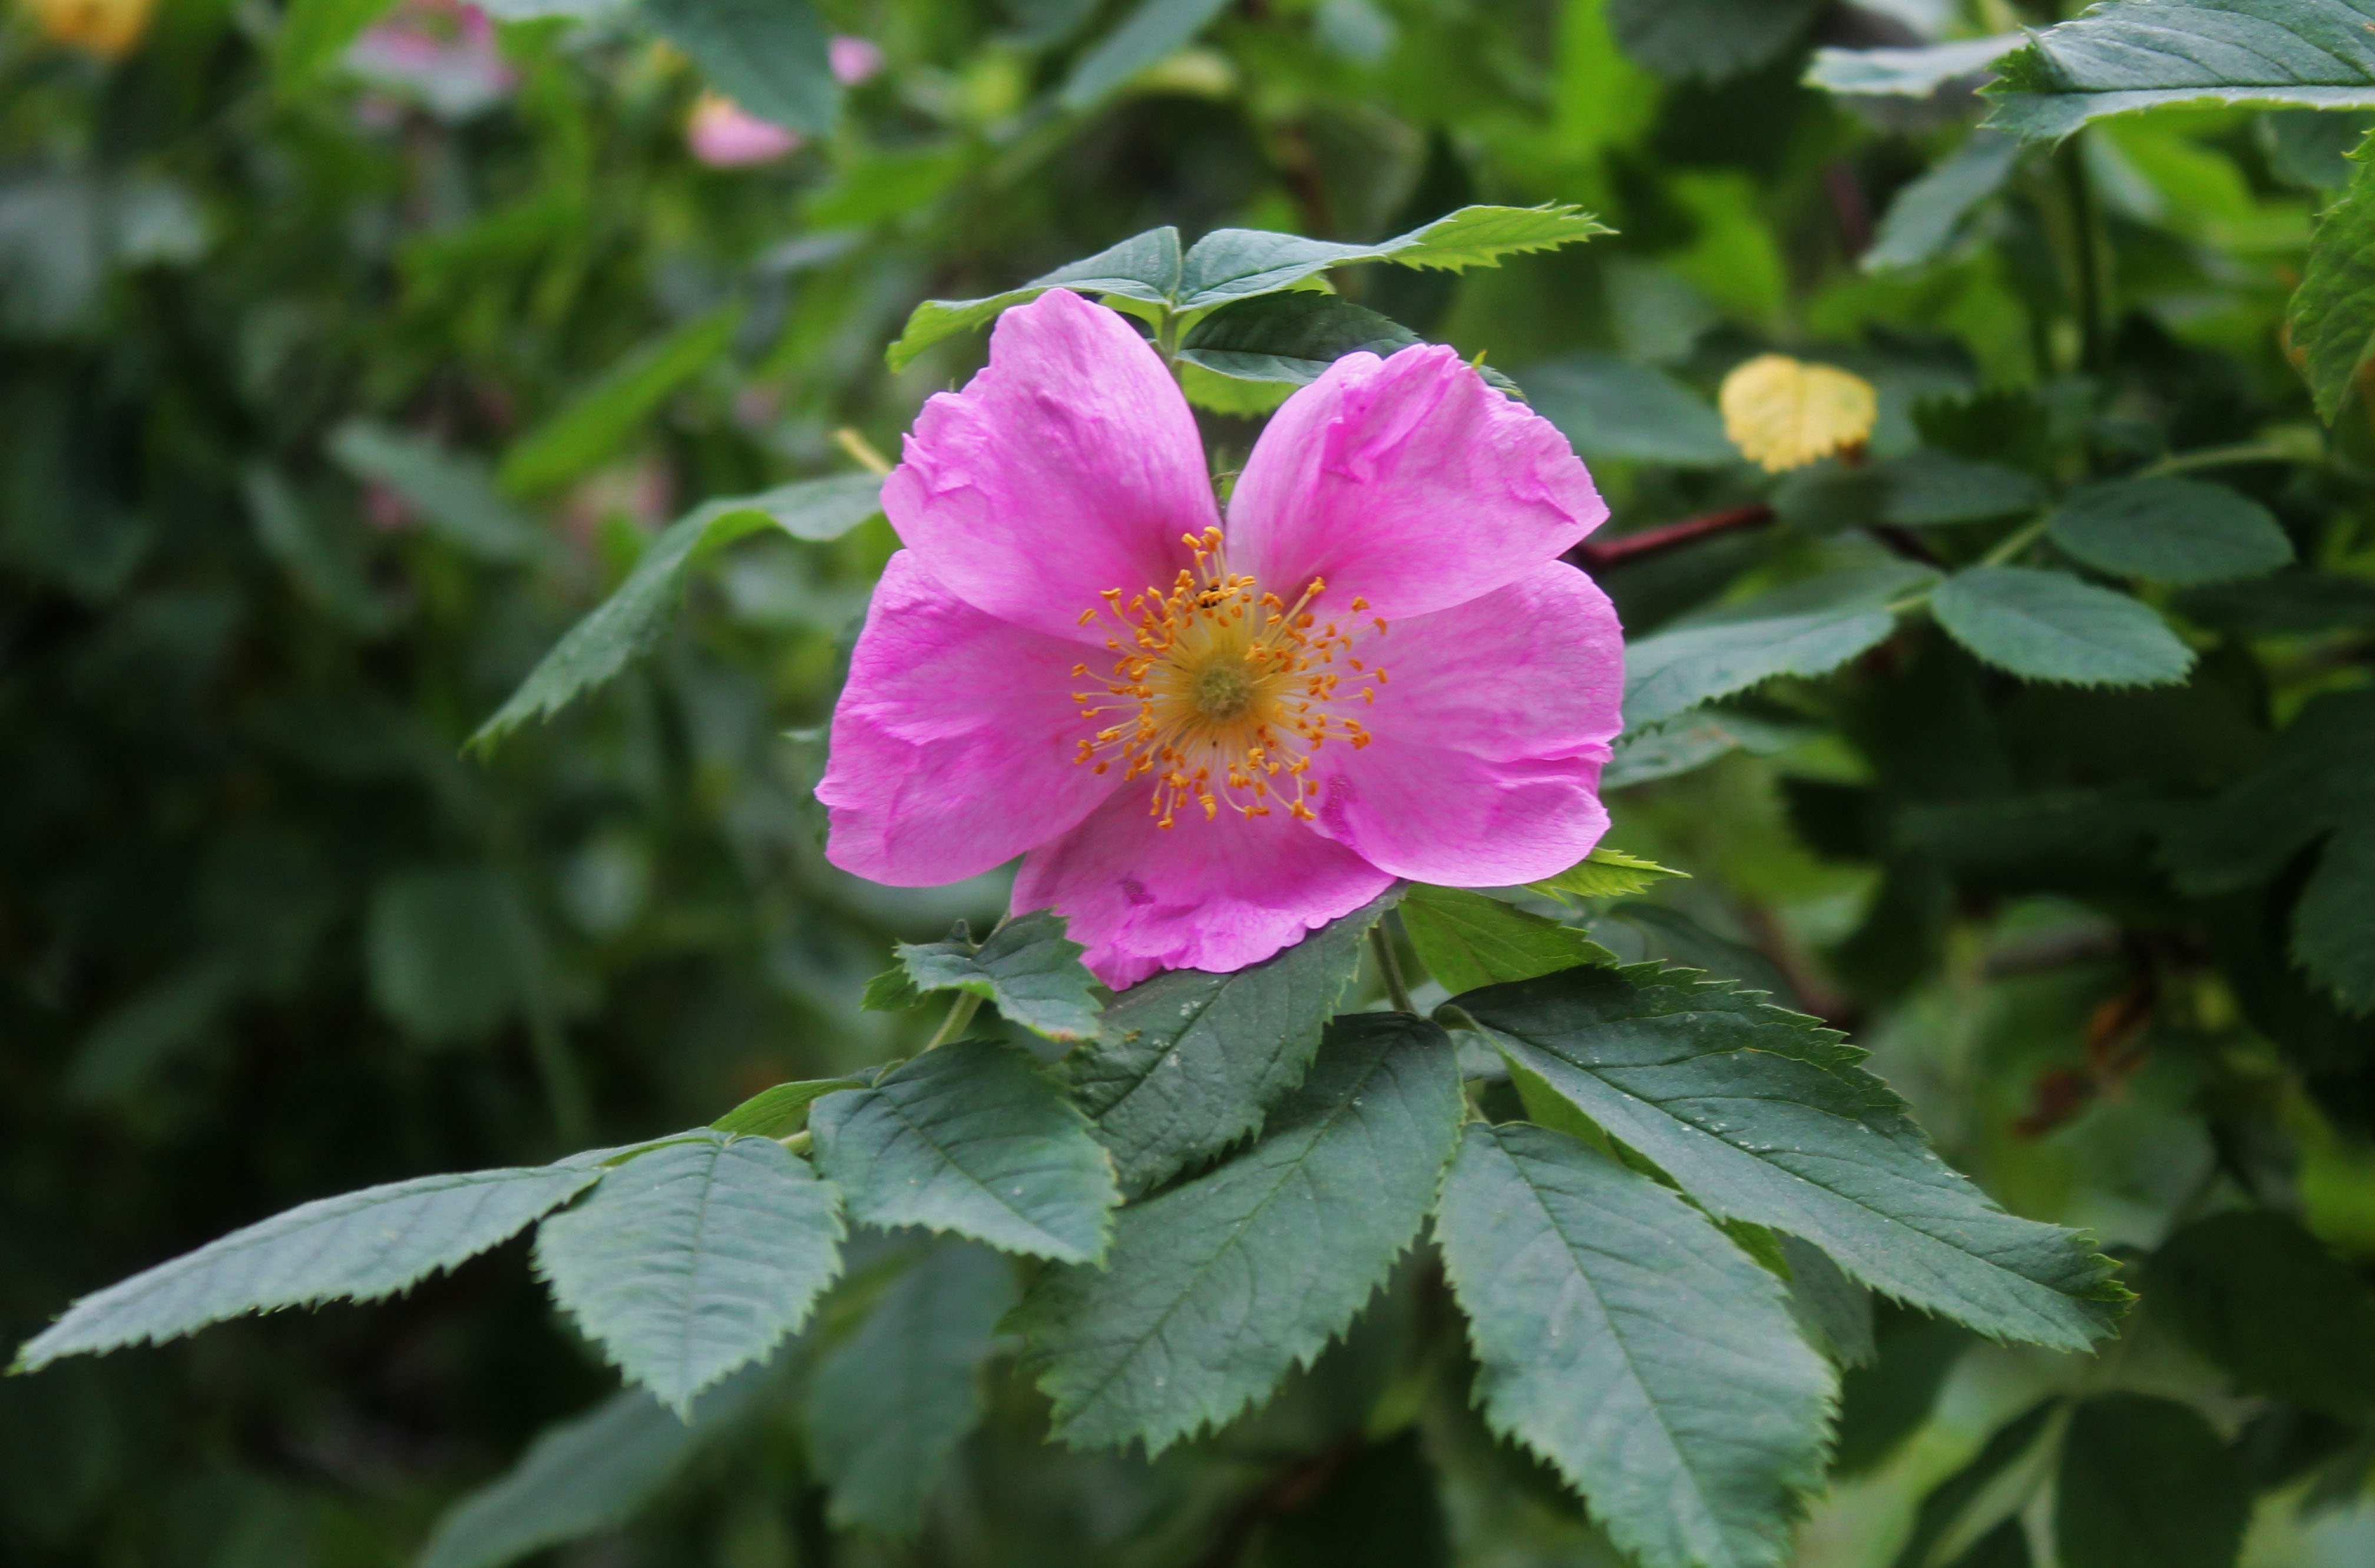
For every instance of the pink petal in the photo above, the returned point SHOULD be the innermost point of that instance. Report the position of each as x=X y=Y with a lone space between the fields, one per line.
x=952 y=743
x=1217 y=895
x=1407 y=482
x=1069 y=466
x=724 y=136
x=1489 y=737
x=853 y=59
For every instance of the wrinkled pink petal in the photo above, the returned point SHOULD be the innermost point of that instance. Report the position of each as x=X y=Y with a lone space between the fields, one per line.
x=853 y=59
x=1407 y=482
x=1489 y=737
x=722 y=134
x=1068 y=466
x=1216 y=895
x=952 y=742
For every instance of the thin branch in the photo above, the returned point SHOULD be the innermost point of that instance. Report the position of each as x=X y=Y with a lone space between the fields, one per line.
x=1602 y=555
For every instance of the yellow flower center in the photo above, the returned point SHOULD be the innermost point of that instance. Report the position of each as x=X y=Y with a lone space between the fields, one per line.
x=1220 y=692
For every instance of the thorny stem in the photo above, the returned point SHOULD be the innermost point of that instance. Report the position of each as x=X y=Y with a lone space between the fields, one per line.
x=1390 y=966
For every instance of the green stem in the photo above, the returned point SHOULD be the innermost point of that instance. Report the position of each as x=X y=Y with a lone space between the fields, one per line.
x=2087 y=262
x=1390 y=966
x=2013 y=543
x=2276 y=451
x=799 y=1142
x=961 y=1013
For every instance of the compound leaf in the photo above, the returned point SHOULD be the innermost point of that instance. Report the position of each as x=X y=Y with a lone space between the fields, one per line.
x=1026 y=967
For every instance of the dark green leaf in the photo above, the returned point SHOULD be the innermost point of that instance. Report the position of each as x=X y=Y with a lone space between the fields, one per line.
x=1612 y=408
x=973 y=1138
x=589 y=430
x=1884 y=1401
x=2264 y=1298
x=2332 y=320
x=1969 y=1505
x=322 y=556
x=454 y=495
x=1144 y=266
x=888 y=1406
x=1929 y=488
x=1468 y=941
x=694 y=1258
x=1156 y=30
x=1185 y=1063
x=1834 y=1310
x=358 y=1246
x=1763 y=1116
x=1708 y=39
x=2146 y=1484
x=1218 y=1287
x=2135 y=55
x=773 y=1112
x=1237 y=263
x=1809 y=628
x=314 y=34
x=767 y=56
x=447 y=952
x=1923 y=219
x=1622 y=1338
x=1289 y=338
x=2171 y=530
x=1691 y=739
x=2049 y=626
x=1026 y=967
x=2285 y=604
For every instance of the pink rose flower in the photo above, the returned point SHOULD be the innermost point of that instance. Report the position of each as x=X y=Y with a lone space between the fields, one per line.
x=724 y=136
x=1208 y=740
x=853 y=59
x=441 y=51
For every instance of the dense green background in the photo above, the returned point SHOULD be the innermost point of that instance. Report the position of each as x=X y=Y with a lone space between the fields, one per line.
x=268 y=935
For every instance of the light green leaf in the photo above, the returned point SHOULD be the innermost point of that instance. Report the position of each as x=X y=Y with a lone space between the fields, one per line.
x=313 y=35
x=1624 y=1338
x=1612 y=408
x=1027 y=967
x=767 y=56
x=1185 y=1063
x=694 y=1258
x=2135 y=55
x=1215 y=1289
x=454 y=495
x=1763 y=1116
x=1606 y=873
x=972 y=1139
x=2332 y=318
x=626 y=625
x=2264 y=1299
x=1155 y=31
x=358 y=1246
x=1467 y=940
x=886 y=1406
x=2049 y=626
x=1809 y=628
x=1144 y=266
x=773 y=1112
x=588 y=1474
x=589 y=431
x=1237 y=263
x=447 y=952
x=1907 y=72
x=2145 y=1482
x=1923 y=219
x=2169 y=529
x=1708 y=39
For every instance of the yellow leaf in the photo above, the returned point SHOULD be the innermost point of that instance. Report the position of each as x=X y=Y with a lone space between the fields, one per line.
x=1783 y=413
x=105 y=27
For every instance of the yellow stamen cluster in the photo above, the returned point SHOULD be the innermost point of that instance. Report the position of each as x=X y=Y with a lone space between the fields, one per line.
x=1220 y=692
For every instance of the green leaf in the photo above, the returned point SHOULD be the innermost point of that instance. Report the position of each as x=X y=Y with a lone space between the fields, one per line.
x=1624 y=1340
x=1907 y=72
x=588 y=1474
x=2136 y=55
x=1467 y=940
x=694 y=1258
x=447 y=952
x=1237 y=263
x=1763 y=1116
x=1923 y=219
x=886 y=1406
x=1929 y=488
x=2263 y=1298
x=314 y=35
x=774 y=1113
x=1153 y=33
x=2331 y=321
x=1971 y=1505
x=2285 y=604
x=588 y=430
x=767 y=56
x=626 y=625
x=1289 y=338
x=1708 y=39
x=1691 y=739
x=2146 y=1483
x=1809 y=628
x=1144 y=266
x=2049 y=626
x=1606 y=873
x=1185 y=1063
x=1218 y=1287
x=1612 y=408
x=358 y=1246
x=1026 y=967
x=454 y=495
x=973 y=1138
x=324 y=560
x=2170 y=530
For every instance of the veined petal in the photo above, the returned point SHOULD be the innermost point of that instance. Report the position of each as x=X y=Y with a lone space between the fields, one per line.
x=1407 y=482
x=1217 y=894
x=1483 y=768
x=952 y=743
x=1071 y=464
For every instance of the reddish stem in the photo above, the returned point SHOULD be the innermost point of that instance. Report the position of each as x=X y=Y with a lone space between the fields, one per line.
x=1600 y=555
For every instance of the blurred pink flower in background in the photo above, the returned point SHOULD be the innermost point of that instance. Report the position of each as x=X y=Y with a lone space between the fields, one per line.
x=723 y=135
x=854 y=59
x=441 y=51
